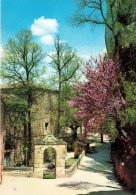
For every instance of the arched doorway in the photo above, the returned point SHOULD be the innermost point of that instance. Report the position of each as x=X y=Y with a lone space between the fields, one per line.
x=49 y=156
x=49 y=162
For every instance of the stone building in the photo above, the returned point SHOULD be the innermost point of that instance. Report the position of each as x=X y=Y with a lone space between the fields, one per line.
x=2 y=131
x=44 y=115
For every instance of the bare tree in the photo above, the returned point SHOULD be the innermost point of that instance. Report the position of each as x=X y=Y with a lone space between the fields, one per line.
x=94 y=12
x=65 y=62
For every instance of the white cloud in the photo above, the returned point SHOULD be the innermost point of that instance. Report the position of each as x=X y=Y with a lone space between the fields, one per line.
x=47 y=40
x=42 y=26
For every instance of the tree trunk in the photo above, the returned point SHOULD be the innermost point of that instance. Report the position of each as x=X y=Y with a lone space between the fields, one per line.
x=2 y=144
x=81 y=132
x=118 y=127
x=58 y=119
x=74 y=134
x=59 y=109
x=29 y=138
x=29 y=128
x=25 y=144
x=101 y=137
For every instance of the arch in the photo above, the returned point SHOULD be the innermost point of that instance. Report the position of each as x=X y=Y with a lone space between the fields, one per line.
x=49 y=162
x=41 y=149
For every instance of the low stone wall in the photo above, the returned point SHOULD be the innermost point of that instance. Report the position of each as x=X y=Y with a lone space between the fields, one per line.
x=72 y=168
x=18 y=171
x=28 y=171
x=18 y=168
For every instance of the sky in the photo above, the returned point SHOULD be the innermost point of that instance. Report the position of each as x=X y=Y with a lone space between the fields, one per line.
x=47 y=18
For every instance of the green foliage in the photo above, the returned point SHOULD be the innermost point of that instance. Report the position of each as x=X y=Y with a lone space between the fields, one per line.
x=130 y=91
x=70 y=143
x=25 y=149
x=50 y=176
x=128 y=35
x=21 y=58
x=121 y=40
x=113 y=133
x=49 y=155
x=131 y=117
x=67 y=116
x=108 y=127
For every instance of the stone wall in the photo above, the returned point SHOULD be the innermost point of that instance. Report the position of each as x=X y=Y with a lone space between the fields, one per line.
x=44 y=115
x=2 y=131
x=18 y=171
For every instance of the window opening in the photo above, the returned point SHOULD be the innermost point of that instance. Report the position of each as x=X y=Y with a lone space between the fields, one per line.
x=46 y=125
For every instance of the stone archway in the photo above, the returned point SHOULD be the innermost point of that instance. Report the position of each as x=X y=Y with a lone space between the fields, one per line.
x=49 y=161
x=61 y=149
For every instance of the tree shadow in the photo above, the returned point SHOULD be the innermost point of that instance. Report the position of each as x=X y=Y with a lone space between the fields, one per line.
x=100 y=162
x=113 y=192
x=95 y=169
x=84 y=185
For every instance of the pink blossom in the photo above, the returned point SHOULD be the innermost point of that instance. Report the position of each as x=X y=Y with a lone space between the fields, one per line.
x=100 y=94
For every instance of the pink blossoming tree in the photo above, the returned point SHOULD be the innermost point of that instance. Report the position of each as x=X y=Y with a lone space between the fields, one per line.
x=100 y=94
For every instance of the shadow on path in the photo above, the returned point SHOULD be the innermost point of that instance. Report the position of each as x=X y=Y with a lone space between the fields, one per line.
x=102 y=159
x=114 y=192
x=100 y=162
x=84 y=185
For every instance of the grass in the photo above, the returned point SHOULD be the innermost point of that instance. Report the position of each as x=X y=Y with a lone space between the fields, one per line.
x=70 y=162
x=50 y=176
x=97 y=140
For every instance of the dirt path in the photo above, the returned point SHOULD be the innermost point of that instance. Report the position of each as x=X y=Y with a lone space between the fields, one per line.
x=94 y=176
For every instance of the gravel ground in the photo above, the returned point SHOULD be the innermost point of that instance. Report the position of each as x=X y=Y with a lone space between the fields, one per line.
x=94 y=176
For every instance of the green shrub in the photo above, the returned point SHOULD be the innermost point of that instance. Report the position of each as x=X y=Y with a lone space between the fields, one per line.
x=50 y=176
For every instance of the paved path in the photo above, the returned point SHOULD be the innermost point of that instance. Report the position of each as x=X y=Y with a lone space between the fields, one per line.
x=94 y=176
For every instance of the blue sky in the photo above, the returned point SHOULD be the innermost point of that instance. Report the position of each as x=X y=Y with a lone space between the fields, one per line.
x=51 y=18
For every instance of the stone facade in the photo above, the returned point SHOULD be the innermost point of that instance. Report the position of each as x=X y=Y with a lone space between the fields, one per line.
x=2 y=132
x=44 y=115
x=60 y=149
